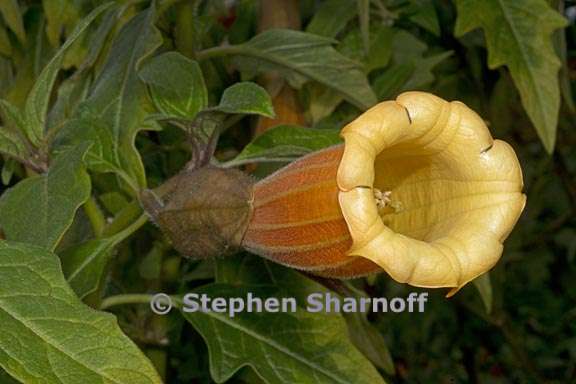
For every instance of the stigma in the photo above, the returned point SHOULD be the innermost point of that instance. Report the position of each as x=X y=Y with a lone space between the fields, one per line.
x=385 y=203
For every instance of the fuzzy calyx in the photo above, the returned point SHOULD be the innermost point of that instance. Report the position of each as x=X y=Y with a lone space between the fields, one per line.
x=204 y=212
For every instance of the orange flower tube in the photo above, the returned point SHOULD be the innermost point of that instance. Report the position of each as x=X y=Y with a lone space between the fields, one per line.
x=419 y=189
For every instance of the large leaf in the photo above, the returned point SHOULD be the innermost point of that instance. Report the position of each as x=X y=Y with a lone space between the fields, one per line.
x=176 y=85
x=331 y=17
x=286 y=143
x=39 y=209
x=303 y=56
x=115 y=105
x=293 y=347
x=36 y=107
x=518 y=35
x=13 y=18
x=48 y=335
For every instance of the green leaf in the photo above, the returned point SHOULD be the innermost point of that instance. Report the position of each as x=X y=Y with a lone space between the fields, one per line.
x=11 y=145
x=410 y=68
x=245 y=269
x=84 y=265
x=102 y=156
x=379 y=50
x=322 y=101
x=6 y=75
x=10 y=141
x=331 y=17
x=518 y=35
x=423 y=13
x=297 y=347
x=11 y=116
x=13 y=18
x=300 y=57
x=246 y=97
x=423 y=75
x=369 y=341
x=7 y=379
x=113 y=202
x=7 y=170
x=176 y=85
x=101 y=36
x=560 y=46
x=36 y=107
x=39 y=209
x=76 y=54
x=246 y=17
x=60 y=15
x=285 y=143
x=189 y=28
x=151 y=266
x=116 y=101
x=407 y=49
x=484 y=287
x=49 y=336
x=71 y=92
x=5 y=45
x=391 y=82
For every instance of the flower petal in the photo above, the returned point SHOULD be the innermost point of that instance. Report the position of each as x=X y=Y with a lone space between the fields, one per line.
x=458 y=191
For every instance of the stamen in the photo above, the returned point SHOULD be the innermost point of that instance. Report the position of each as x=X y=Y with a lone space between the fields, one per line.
x=384 y=201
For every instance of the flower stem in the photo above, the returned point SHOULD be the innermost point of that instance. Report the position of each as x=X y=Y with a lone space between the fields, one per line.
x=129 y=215
x=134 y=298
x=131 y=298
x=130 y=229
x=95 y=216
x=219 y=51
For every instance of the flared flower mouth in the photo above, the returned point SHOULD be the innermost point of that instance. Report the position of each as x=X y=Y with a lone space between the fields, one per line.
x=425 y=191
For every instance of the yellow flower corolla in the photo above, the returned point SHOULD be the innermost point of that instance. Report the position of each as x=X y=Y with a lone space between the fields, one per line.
x=425 y=191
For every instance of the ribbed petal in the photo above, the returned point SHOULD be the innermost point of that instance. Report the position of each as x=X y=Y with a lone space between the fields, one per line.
x=456 y=192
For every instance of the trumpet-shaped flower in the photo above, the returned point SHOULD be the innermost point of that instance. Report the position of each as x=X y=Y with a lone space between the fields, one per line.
x=419 y=189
